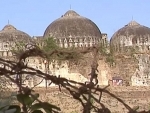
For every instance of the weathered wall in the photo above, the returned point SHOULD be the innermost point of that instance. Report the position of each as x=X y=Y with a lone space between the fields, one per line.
x=124 y=67
x=132 y=68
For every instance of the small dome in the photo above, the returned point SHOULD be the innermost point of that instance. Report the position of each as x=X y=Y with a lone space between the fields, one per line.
x=132 y=34
x=10 y=33
x=133 y=23
x=70 y=13
x=9 y=27
x=71 y=24
x=132 y=28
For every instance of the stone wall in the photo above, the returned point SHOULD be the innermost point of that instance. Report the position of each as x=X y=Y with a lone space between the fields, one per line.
x=133 y=69
x=125 y=67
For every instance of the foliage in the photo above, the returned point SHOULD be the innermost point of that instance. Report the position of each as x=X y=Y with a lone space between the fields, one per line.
x=103 y=50
x=30 y=105
x=88 y=94
x=19 y=47
x=49 y=45
x=69 y=54
x=5 y=107
x=107 y=53
x=110 y=59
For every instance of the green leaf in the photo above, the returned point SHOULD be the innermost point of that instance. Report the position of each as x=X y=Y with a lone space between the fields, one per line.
x=10 y=111
x=46 y=106
x=37 y=111
x=18 y=109
x=4 y=103
x=36 y=106
x=4 y=108
x=39 y=106
x=35 y=96
x=24 y=99
x=50 y=106
x=48 y=111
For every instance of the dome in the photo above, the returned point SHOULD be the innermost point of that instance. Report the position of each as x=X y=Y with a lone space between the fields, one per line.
x=72 y=25
x=132 y=34
x=10 y=33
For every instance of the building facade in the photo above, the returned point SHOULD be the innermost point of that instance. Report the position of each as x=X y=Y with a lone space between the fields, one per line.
x=74 y=30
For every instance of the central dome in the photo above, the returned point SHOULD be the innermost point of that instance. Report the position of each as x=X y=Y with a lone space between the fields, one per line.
x=71 y=24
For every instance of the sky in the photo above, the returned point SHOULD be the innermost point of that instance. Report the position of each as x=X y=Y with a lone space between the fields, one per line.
x=34 y=16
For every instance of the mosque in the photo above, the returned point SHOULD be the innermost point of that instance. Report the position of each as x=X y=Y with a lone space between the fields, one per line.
x=74 y=30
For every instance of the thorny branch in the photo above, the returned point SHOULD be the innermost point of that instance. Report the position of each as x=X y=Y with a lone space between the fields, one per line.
x=91 y=88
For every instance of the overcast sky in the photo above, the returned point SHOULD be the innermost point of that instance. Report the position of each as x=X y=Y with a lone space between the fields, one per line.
x=33 y=16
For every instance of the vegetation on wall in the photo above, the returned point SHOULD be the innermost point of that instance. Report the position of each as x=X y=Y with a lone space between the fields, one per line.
x=50 y=45
x=107 y=52
x=19 y=47
x=88 y=94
